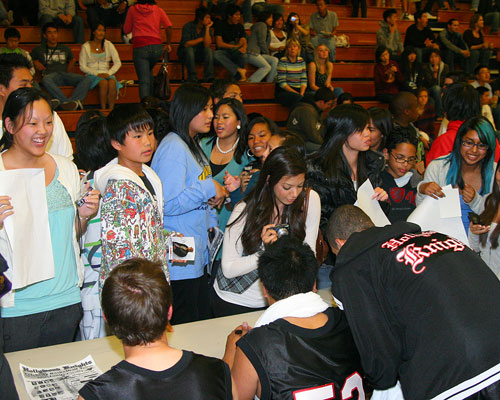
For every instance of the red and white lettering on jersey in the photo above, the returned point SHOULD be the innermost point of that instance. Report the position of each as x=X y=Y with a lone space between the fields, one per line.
x=327 y=392
x=418 y=247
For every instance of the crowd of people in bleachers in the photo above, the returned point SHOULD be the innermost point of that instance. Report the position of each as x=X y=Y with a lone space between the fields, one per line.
x=151 y=171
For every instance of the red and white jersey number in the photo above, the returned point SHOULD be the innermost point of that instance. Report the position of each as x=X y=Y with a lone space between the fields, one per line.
x=327 y=392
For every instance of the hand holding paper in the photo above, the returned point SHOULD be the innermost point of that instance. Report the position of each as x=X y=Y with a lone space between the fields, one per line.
x=6 y=209
x=368 y=202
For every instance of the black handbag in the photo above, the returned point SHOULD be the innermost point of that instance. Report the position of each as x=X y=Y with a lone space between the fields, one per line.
x=161 y=82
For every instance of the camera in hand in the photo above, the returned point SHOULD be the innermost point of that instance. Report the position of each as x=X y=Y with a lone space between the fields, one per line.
x=282 y=229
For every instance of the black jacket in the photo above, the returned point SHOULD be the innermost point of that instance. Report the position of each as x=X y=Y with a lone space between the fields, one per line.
x=423 y=308
x=333 y=196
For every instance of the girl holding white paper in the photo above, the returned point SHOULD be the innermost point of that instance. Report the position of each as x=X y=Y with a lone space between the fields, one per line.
x=483 y=237
x=46 y=312
x=344 y=161
x=469 y=167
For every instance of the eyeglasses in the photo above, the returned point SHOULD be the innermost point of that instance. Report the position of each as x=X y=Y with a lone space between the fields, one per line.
x=470 y=144
x=403 y=160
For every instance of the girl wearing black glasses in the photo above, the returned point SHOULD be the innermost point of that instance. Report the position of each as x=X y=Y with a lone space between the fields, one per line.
x=469 y=166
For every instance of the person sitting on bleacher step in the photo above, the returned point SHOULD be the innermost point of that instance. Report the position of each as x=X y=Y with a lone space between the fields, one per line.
x=108 y=12
x=62 y=13
x=54 y=61
x=195 y=45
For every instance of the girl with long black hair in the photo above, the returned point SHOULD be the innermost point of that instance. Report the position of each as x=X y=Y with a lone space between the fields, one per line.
x=190 y=196
x=277 y=205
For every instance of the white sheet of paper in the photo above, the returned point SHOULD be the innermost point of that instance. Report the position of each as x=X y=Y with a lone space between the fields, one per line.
x=449 y=205
x=371 y=206
x=428 y=215
x=28 y=228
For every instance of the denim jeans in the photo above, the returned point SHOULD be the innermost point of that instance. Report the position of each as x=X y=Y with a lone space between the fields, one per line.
x=76 y=24
x=41 y=329
x=81 y=83
x=109 y=16
x=145 y=58
x=190 y=55
x=435 y=94
x=423 y=54
x=328 y=42
x=247 y=9
x=482 y=56
x=231 y=60
x=449 y=57
x=266 y=64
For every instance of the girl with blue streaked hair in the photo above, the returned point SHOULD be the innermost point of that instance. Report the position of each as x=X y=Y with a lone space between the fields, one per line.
x=470 y=167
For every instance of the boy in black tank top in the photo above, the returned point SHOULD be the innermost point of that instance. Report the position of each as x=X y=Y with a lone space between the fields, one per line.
x=137 y=303
x=301 y=348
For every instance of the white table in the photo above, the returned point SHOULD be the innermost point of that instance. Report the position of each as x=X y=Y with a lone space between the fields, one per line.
x=205 y=337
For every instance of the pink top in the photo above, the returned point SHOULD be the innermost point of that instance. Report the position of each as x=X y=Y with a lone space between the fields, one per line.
x=145 y=22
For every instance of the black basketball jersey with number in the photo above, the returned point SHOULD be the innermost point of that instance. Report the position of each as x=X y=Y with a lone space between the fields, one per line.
x=424 y=309
x=193 y=377
x=298 y=363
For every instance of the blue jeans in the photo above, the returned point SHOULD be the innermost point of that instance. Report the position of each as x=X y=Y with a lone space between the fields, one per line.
x=76 y=24
x=482 y=56
x=328 y=42
x=435 y=94
x=423 y=54
x=190 y=55
x=41 y=329
x=231 y=60
x=266 y=64
x=81 y=83
x=145 y=58
x=449 y=57
x=247 y=9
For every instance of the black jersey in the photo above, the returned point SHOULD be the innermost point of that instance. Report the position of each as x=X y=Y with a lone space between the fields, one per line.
x=193 y=377
x=295 y=363
x=423 y=308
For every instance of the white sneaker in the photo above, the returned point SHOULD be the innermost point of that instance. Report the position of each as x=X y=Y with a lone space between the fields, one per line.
x=431 y=16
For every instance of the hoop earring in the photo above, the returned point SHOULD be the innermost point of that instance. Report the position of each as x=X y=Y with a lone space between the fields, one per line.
x=249 y=154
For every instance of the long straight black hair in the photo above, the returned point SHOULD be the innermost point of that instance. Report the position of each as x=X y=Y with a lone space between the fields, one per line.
x=261 y=201
x=187 y=103
x=490 y=210
x=342 y=121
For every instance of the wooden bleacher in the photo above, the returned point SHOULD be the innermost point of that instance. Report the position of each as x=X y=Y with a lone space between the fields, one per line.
x=353 y=70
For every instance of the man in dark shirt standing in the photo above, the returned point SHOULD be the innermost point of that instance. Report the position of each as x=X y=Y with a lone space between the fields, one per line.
x=231 y=42
x=54 y=60
x=420 y=36
x=195 y=45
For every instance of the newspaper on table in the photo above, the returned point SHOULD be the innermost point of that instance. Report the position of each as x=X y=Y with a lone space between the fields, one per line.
x=59 y=383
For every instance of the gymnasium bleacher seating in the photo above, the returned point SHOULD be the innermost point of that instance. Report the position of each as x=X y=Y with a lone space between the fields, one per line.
x=353 y=70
